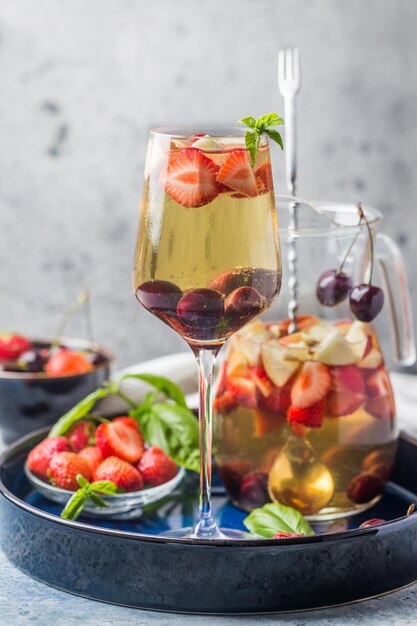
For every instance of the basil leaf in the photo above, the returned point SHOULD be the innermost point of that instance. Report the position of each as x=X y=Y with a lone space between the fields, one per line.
x=252 y=141
x=167 y=387
x=276 y=517
x=75 y=504
x=270 y=119
x=83 y=482
x=248 y=121
x=174 y=429
x=97 y=500
x=275 y=136
x=80 y=410
x=104 y=486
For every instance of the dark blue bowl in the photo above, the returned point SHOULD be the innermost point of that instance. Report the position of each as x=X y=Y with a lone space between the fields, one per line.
x=29 y=401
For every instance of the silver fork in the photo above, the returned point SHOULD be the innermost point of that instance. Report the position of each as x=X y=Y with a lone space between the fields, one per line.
x=289 y=83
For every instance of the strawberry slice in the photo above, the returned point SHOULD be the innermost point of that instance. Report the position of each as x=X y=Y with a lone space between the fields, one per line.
x=244 y=391
x=382 y=407
x=225 y=402
x=378 y=384
x=311 y=416
x=121 y=440
x=278 y=400
x=237 y=174
x=191 y=178
x=311 y=385
x=347 y=391
x=261 y=380
x=263 y=176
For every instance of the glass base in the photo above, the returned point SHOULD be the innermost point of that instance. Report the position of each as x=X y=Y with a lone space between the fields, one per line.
x=222 y=533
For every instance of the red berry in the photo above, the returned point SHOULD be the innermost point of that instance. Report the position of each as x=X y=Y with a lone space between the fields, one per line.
x=347 y=390
x=311 y=416
x=263 y=177
x=80 y=435
x=200 y=308
x=127 y=420
x=237 y=174
x=311 y=385
x=244 y=391
x=278 y=401
x=333 y=287
x=364 y=488
x=284 y=535
x=12 y=346
x=156 y=467
x=366 y=301
x=254 y=489
x=67 y=363
x=41 y=455
x=120 y=472
x=372 y=522
x=191 y=178
x=159 y=296
x=92 y=455
x=119 y=439
x=225 y=402
x=243 y=304
x=64 y=467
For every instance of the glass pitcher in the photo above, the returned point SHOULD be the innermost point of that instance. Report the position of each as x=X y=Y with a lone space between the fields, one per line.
x=307 y=418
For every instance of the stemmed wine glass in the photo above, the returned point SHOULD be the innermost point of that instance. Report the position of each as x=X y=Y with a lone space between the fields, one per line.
x=207 y=258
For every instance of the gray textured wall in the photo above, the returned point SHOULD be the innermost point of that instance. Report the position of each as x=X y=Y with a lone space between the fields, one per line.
x=81 y=82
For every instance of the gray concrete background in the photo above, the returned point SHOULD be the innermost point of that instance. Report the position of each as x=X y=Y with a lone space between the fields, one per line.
x=82 y=81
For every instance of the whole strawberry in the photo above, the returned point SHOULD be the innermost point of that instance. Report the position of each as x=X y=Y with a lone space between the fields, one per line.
x=12 y=346
x=92 y=455
x=67 y=363
x=80 y=435
x=284 y=535
x=123 y=474
x=39 y=458
x=128 y=421
x=156 y=467
x=120 y=439
x=64 y=467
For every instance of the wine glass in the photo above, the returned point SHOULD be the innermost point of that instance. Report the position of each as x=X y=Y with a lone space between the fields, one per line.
x=207 y=258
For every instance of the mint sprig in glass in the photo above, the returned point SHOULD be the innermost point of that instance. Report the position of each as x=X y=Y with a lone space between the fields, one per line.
x=207 y=257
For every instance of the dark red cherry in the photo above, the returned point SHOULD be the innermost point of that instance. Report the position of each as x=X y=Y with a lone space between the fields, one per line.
x=200 y=308
x=34 y=360
x=254 y=489
x=243 y=304
x=159 y=295
x=333 y=287
x=366 y=301
x=364 y=488
x=372 y=522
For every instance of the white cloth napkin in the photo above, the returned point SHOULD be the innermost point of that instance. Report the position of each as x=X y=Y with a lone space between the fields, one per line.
x=182 y=369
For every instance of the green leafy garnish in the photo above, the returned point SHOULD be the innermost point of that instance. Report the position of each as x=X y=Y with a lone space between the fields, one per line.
x=87 y=491
x=275 y=517
x=173 y=428
x=259 y=127
x=170 y=425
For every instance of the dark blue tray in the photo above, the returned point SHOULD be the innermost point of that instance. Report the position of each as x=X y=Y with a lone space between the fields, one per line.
x=130 y=563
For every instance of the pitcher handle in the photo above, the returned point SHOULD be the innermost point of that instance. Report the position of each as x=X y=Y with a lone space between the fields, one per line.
x=394 y=278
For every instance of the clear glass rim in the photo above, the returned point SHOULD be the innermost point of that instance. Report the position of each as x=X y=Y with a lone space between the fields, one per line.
x=188 y=131
x=325 y=208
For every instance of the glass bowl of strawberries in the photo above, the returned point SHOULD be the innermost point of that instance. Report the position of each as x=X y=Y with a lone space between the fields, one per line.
x=107 y=466
x=43 y=378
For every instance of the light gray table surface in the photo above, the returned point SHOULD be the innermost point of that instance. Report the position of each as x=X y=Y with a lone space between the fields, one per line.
x=25 y=601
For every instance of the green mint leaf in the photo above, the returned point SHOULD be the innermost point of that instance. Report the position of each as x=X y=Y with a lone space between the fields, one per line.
x=82 y=481
x=80 y=410
x=252 y=141
x=275 y=136
x=270 y=119
x=75 y=505
x=276 y=517
x=107 y=487
x=164 y=385
x=247 y=121
x=95 y=498
x=174 y=429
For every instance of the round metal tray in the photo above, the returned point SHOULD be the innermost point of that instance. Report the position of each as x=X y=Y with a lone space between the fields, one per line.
x=131 y=563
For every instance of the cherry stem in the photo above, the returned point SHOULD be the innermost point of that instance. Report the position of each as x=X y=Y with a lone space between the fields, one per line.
x=81 y=299
x=371 y=239
x=350 y=248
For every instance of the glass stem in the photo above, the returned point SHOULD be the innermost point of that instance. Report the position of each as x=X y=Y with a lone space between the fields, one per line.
x=206 y=526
